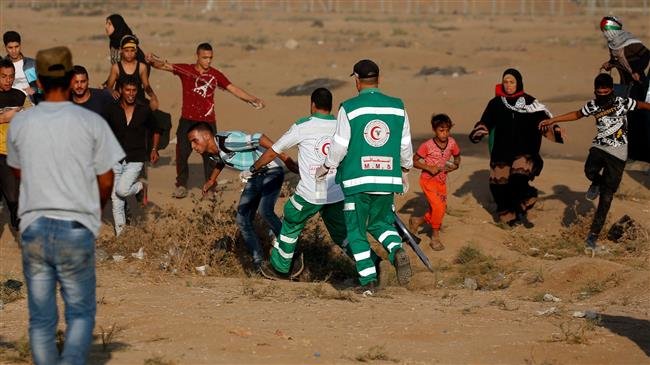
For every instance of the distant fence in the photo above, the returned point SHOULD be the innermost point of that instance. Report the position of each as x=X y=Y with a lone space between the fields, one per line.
x=359 y=7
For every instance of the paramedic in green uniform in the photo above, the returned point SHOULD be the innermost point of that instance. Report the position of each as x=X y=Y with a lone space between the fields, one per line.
x=371 y=150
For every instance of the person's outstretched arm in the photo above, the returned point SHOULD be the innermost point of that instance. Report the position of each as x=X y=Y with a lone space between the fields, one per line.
x=159 y=64
x=568 y=117
x=256 y=102
x=642 y=105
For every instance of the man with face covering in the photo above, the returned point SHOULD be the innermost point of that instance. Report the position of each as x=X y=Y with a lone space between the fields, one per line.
x=630 y=58
x=609 y=148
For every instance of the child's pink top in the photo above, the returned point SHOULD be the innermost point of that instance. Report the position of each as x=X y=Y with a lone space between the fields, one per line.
x=434 y=155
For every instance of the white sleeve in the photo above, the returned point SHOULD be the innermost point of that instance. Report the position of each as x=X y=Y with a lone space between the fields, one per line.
x=340 y=141
x=289 y=139
x=406 y=147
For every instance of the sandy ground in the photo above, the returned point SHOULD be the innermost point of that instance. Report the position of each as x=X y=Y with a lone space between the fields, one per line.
x=193 y=319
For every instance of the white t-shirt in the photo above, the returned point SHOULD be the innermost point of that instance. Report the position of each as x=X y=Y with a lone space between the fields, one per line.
x=313 y=135
x=20 y=81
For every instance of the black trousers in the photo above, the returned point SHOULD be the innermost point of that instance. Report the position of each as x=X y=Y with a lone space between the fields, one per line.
x=9 y=187
x=606 y=171
x=184 y=149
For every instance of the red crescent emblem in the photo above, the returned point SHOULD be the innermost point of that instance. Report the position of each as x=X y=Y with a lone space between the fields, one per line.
x=372 y=133
x=325 y=148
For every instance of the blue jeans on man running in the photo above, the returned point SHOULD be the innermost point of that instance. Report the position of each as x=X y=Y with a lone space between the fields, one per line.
x=124 y=184
x=62 y=251
x=261 y=190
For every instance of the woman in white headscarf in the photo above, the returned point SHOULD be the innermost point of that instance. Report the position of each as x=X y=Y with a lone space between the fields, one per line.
x=630 y=58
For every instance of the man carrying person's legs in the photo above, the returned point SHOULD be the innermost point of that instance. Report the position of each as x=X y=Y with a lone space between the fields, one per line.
x=313 y=135
x=65 y=179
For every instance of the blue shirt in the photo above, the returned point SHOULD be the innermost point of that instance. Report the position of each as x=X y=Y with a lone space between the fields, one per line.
x=240 y=150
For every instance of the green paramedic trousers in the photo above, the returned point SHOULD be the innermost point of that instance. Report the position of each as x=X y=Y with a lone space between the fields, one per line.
x=297 y=212
x=371 y=213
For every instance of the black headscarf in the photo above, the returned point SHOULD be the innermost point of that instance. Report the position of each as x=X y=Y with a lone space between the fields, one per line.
x=121 y=29
x=517 y=75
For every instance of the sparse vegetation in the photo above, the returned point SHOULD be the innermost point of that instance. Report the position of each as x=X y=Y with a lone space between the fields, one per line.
x=107 y=335
x=489 y=274
x=324 y=291
x=158 y=360
x=375 y=353
x=267 y=291
x=16 y=352
x=574 y=331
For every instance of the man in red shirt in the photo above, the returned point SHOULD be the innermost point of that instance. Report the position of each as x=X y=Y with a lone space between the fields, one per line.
x=199 y=82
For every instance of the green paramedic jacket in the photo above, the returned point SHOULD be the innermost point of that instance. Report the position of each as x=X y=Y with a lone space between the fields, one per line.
x=372 y=162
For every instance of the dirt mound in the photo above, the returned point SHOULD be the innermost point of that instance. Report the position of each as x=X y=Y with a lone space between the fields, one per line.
x=308 y=87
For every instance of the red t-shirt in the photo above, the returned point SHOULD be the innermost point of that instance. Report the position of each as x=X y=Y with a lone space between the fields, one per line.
x=198 y=91
x=434 y=155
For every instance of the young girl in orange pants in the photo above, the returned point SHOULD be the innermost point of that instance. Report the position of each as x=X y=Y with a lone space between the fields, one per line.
x=433 y=157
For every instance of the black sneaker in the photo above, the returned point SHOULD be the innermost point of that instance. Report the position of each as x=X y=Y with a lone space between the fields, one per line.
x=592 y=192
x=269 y=272
x=402 y=267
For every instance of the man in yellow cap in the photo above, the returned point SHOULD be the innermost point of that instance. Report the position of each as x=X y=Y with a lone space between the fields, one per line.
x=130 y=66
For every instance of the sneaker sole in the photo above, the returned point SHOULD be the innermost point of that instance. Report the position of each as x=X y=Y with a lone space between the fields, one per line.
x=403 y=267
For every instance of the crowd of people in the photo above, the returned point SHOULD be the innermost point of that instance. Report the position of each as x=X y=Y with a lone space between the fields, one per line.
x=66 y=148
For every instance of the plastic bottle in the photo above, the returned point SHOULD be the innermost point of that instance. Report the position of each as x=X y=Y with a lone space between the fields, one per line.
x=321 y=191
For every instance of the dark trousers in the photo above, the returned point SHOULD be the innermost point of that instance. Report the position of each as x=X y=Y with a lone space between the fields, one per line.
x=184 y=149
x=9 y=188
x=606 y=171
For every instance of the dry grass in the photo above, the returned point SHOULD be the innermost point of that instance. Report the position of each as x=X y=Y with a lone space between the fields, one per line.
x=158 y=360
x=16 y=352
x=325 y=291
x=575 y=331
x=375 y=353
x=488 y=273
x=178 y=242
x=10 y=290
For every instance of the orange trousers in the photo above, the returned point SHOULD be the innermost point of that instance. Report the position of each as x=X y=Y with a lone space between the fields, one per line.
x=436 y=194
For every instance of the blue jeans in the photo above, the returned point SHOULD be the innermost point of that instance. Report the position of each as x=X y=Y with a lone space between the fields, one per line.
x=124 y=184
x=59 y=251
x=262 y=191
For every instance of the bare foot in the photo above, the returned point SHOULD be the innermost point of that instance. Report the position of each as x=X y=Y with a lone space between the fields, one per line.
x=436 y=244
x=415 y=223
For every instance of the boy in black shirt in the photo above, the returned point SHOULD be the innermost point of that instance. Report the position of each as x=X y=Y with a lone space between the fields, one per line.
x=609 y=147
